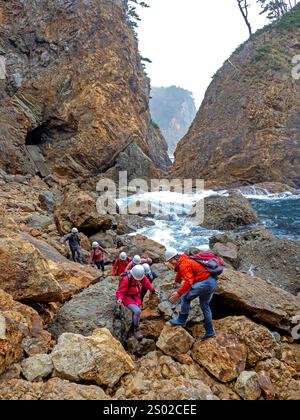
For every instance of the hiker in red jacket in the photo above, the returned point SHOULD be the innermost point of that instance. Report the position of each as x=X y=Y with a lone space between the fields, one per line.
x=198 y=282
x=129 y=294
x=120 y=264
x=137 y=260
x=97 y=256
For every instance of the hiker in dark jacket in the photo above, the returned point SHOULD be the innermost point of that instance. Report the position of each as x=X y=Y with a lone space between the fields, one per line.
x=151 y=276
x=74 y=243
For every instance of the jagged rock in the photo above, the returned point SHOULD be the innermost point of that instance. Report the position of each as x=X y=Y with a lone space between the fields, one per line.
x=93 y=308
x=68 y=115
x=13 y=372
x=40 y=222
x=261 y=142
x=54 y=389
x=278 y=380
x=98 y=358
x=261 y=300
x=223 y=356
x=224 y=213
x=38 y=367
x=247 y=386
x=158 y=377
x=175 y=341
x=29 y=325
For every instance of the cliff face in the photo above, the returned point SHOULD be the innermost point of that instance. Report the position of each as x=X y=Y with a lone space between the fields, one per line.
x=74 y=86
x=173 y=109
x=248 y=127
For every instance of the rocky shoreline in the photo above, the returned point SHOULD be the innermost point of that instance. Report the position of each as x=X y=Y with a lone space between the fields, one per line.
x=61 y=336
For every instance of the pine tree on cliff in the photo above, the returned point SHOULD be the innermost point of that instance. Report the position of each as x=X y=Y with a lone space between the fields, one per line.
x=275 y=9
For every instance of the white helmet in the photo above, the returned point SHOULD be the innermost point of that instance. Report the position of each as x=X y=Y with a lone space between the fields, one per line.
x=138 y=272
x=137 y=259
x=123 y=256
x=74 y=230
x=147 y=268
x=95 y=245
x=171 y=253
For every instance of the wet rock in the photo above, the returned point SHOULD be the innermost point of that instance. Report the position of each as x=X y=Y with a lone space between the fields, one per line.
x=54 y=389
x=98 y=358
x=225 y=213
x=247 y=386
x=38 y=367
x=224 y=356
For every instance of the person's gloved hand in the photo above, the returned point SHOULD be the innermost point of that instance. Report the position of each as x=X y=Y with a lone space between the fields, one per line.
x=175 y=297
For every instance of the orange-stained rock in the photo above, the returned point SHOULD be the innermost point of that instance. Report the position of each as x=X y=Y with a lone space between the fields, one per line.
x=11 y=337
x=77 y=88
x=223 y=356
x=152 y=328
x=54 y=389
x=284 y=379
x=35 y=339
x=175 y=341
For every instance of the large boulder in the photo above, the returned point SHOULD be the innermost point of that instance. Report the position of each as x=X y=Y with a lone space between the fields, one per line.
x=159 y=377
x=24 y=272
x=259 y=341
x=54 y=389
x=26 y=324
x=99 y=358
x=224 y=212
x=259 y=299
x=223 y=356
x=93 y=308
x=147 y=248
x=263 y=255
x=79 y=209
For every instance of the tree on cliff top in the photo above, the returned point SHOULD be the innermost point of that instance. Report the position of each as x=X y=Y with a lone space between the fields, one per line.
x=132 y=14
x=244 y=9
x=275 y=9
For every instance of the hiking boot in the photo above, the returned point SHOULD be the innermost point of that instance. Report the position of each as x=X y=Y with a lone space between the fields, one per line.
x=138 y=335
x=180 y=321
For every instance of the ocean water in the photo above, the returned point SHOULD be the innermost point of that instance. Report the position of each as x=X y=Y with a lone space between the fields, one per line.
x=280 y=213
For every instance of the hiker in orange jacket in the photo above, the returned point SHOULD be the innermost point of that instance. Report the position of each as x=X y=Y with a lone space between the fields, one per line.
x=120 y=264
x=197 y=282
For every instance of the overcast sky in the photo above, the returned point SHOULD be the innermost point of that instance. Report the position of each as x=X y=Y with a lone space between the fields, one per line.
x=189 y=40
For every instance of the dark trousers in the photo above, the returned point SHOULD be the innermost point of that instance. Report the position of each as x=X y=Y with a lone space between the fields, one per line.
x=76 y=254
x=100 y=265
